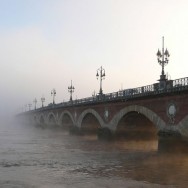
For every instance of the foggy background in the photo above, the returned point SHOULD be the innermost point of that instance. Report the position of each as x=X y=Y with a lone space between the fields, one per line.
x=45 y=44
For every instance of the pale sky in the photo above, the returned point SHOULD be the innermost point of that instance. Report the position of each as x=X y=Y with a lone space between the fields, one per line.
x=46 y=43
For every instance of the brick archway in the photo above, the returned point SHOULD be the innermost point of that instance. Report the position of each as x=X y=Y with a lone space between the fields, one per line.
x=94 y=113
x=64 y=113
x=183 y=127
x=41 y=117
x=153 y=117
x=48 y=117
x=35 y=119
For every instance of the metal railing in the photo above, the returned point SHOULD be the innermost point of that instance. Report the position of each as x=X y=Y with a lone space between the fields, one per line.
x=154 y=89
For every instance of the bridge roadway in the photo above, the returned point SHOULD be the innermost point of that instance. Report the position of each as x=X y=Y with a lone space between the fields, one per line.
x=141 y=110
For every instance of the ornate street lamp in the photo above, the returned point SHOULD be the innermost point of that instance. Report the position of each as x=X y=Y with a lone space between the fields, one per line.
x=53 y=93
x=71 y=90
x=35 y=102
x=42 y=100
x=163 y=59
x=101 y=74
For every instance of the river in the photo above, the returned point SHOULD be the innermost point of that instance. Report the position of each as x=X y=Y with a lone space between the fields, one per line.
x=32 y=157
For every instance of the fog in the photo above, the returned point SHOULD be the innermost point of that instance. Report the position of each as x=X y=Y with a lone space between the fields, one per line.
x=46 y=44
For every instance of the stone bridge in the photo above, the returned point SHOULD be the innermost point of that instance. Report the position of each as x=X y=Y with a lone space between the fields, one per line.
x=142 y=110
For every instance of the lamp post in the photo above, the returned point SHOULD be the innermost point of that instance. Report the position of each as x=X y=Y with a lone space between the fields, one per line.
x=29 y=105
x=53 y=93
x=35 y=102
x=71 y=90
x=163 y=59
x=42 y=100
x=93 y=94
x=101 y=74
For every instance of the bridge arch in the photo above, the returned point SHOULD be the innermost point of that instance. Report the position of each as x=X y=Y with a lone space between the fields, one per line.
x=51 y=119
x=41 y=119
x=94 y=113
x=183 y=127
x=35 y=119
x=152 y=116
x=63 y=114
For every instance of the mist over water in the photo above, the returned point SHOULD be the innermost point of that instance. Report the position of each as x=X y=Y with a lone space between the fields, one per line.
x=32 y=157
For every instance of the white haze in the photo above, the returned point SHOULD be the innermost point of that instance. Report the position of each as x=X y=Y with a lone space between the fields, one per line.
x=45 y=44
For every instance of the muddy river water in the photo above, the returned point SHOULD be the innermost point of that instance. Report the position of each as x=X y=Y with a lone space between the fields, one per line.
x=32 y=157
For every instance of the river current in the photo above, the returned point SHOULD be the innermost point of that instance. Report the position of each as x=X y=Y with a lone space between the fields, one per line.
x=32 y=157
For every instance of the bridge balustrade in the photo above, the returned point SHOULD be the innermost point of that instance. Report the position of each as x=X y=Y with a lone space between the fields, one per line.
x=180 y=83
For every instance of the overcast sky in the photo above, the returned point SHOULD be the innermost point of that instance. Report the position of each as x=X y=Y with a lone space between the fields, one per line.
x=46 y=43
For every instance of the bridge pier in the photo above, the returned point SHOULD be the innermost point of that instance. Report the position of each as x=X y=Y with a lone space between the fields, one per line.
x=105 y=134
x=169 y=134
x=172 y=140
x=74 y=130
x=172 y=144
x=102 y=133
